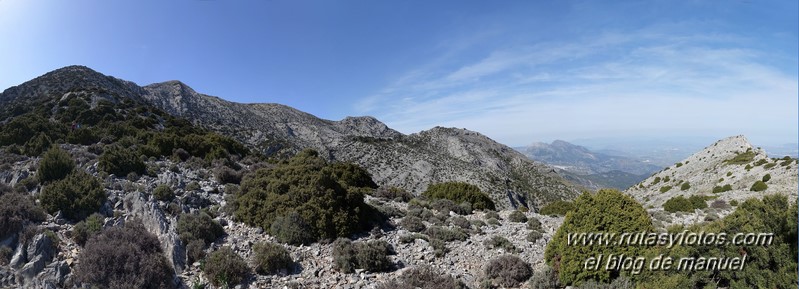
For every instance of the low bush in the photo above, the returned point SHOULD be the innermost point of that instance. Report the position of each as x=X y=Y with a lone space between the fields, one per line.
x=226 y=175
x=372 y=255
x=410 y=238
x=546 y=278
x=517 y=217
x=56 y=164
x=5 y=255
x=492 y=215
x=493 y=222
x=557 y=208
x=85 y=229
x=447 y=235
x=721 y=189
x=534 y=224
x=292 y=229
x=76 y=196
x=271 y=258
x=423 y=277
x=499 y=242
x=678 y=204
x=685 y=186
x=412 y=224
x=225 y=268
x=534 y=236
x=120 y=161
x=460 y=192
x=17 y=210
x=195 y=250
x=698 y=202
x=758 y=186
x=446 y=206
x=163 y=193
x=198 y=226
x=508 y=271
x=124 y=257
x=766 y=178
x=392 y=193
x=664 y=189
x=460 y=222
x=369 y=255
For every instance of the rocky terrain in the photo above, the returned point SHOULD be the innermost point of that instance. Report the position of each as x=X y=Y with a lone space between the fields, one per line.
x=732 y=162
x=593 y=170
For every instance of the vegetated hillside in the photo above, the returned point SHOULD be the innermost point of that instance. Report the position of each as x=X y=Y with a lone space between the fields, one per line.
x=730 y=169
x=411 y=162
x=587 y=168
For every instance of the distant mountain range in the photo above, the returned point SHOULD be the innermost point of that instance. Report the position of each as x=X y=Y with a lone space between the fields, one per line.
x=588 y=168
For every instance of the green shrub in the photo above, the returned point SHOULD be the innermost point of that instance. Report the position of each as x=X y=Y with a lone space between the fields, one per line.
x=163 y=193
x=412 y=224
x=546 y=278
x=195 y=250
x=5 y=255
x=655 y=181
x=292 y=229
x=761 y=162
x=766 y=178
x=392 y=193
x=85 y=229
x=758 y=186
x=499 y=242
x=446 y=206
x=460 y=222
x=721 y=189
x=439 y=247
x=56 y=164
x=192 y=186
x=17 y=210
x=459 y=192
x=325 y=197
x=447 y=235
x=741 y=158
x=685 y=186
x=120 y=161
x=424 y=277
x=748 y=167
x=344 y=258
x=664 y=189
x=198 y=226
x=226 y=175
x=271 y=258
x=698 y=202
x=76 y=196
x=517 y=217
x=678 y=204
x=124 y=257
x=492 y=215
x=769 y=165
x=534 y=224
x=508 y=271
x=493 y=222
x=225 y=268
x=607 y=211
x=678 y=165
x=733 y=203
x=372 y=255
x=557 y=208
x=534 y=236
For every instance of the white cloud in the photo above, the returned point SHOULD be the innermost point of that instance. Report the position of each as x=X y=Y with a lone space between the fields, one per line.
x=638 y=84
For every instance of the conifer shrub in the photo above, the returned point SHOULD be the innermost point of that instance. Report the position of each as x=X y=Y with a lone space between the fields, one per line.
x=698 y=202
x=56 y=164
x=685 y=186
x=721 y=189
x=163 y=193
x=678 y=204
x=327 y=198
x=271 y=258
x=76 y=196
x=766 y=178
x=198 y=226
x=517 y=217
x=508 y=271
x=460 y=192
x=17 y=210
x=664 y=189
x=557 y=208
x=120 y=161
x=607 y=211
x=225 y=268
x=124 y=257
x=758 y=186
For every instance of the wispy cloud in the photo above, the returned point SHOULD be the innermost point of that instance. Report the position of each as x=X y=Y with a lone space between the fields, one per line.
x=640 y=83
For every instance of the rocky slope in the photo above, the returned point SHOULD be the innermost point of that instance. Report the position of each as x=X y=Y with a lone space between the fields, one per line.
x=731 y=161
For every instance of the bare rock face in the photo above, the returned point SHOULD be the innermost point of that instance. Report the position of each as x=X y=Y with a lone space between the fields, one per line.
x=157 y=223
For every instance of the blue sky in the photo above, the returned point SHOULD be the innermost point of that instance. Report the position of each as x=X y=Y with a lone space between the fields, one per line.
x=517 y=71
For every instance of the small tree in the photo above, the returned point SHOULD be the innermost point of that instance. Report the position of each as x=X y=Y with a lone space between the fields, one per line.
x=76 y=196
x=56 y=164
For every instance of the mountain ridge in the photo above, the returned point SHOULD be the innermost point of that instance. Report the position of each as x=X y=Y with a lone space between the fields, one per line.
x=411 y=162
